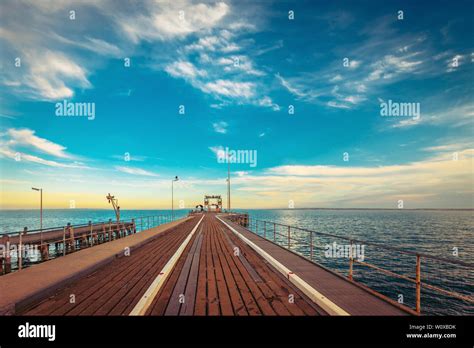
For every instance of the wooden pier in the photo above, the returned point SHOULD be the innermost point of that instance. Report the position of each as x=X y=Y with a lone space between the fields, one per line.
x=63 y=240
x=204 y=264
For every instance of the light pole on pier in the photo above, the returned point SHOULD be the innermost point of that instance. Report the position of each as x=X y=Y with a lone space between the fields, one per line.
x=41 y=204
x=172 y=196
x=228 y=184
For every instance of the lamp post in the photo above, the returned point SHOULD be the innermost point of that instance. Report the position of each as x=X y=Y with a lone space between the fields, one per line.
x=41 y=204
x=172 y=196
x=228 y=184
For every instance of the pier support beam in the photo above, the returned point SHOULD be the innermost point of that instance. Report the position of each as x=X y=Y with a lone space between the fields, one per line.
x=7 y=260
x=72 y=240
x=44 y=250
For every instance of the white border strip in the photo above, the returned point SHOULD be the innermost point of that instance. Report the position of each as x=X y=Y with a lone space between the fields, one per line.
x=330 y=307
x=142 y=306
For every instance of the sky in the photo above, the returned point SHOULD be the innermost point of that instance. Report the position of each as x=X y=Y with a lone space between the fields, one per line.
x=300 y=85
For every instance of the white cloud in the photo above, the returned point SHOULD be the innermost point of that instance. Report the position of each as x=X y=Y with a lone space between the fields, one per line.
x=391 y=66
x=163 y=20
x=48 y=80
x=335 y=104
x=184 y=69
x=230 y=88
x=220 y=127
x=135 y=171
x=7 y=152
x=27 y=137
x=267 y=101
x=354 y=64
x=95 y=45
x=444 y=182
x=354 y=99
x=458 y=116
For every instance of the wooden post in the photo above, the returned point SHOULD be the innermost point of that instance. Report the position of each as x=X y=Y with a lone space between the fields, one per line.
x=64 y=241
x=289 y=237
x=418 y=284
x=90 y=231
x=351 y=262
x=134 y=227
x=44 y=250
x=2 y=256
x=71 y=237
x=20 y=249
x=7 y=258
x=110 y=230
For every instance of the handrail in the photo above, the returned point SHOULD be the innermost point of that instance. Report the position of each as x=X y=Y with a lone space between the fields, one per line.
x=83 y=224
x=68 y=239
x=417 y=280
x=403 y=251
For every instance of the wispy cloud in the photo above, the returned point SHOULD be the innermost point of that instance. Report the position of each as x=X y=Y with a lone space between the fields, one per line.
x=135 y=171
x=27 y=137
x=7 y=152
x=458 y=116
x=220 y=127
x=444 y=179
x=184 y=70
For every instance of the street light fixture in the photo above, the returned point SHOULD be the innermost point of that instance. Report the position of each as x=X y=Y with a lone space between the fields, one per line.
x=172 y=196
x=41 y=204
x=228 y=184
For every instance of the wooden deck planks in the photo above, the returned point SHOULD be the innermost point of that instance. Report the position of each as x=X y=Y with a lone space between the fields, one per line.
x=226 y=283
x=352 y=297
x=114 y=287
x=217 y=274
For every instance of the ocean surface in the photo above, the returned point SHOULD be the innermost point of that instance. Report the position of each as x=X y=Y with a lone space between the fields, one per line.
x=443 y=233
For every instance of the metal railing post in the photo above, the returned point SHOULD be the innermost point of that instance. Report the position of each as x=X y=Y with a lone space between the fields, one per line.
x=274 y=232
x=289 y=237
x=64 y=241
x=20 y=249
x=418 y=284
x=311 y=246
x=265 y=229
x=351 y=261
x=92 y=237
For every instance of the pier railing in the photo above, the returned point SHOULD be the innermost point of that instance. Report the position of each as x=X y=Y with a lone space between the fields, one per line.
x=21 y=249
x=287 y=236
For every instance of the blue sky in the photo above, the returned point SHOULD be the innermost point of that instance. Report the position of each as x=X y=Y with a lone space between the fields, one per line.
x=237 y=67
